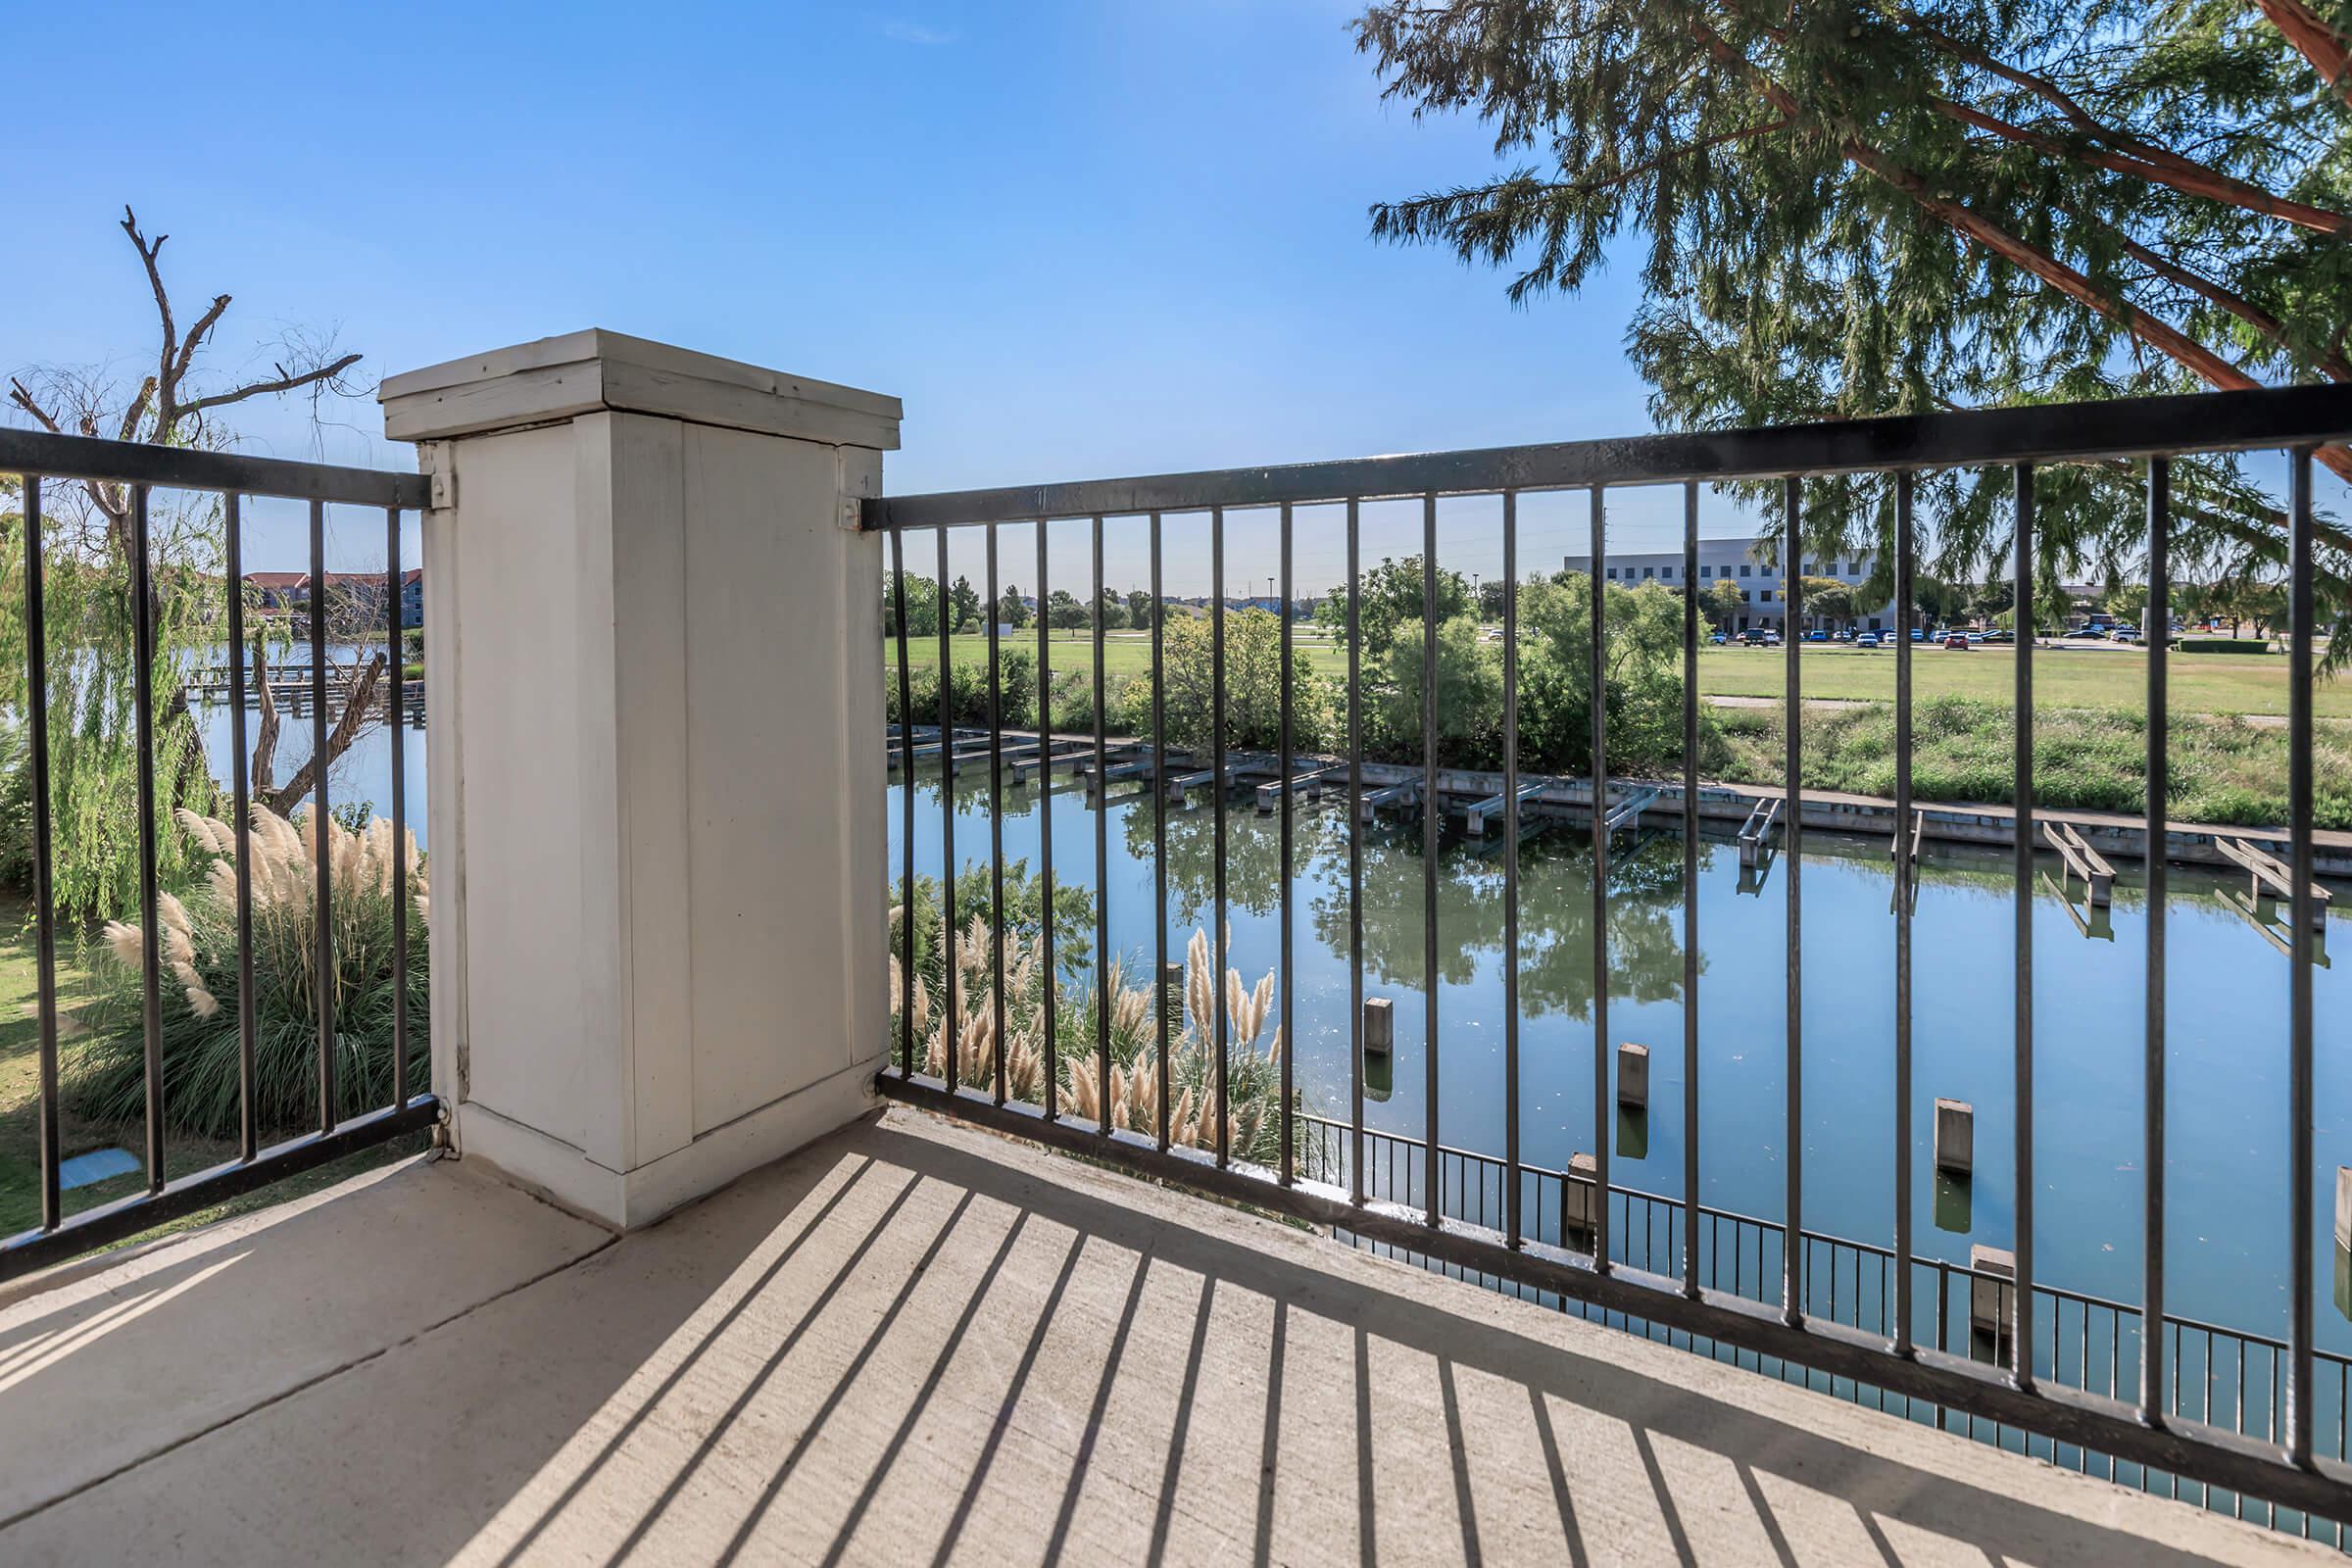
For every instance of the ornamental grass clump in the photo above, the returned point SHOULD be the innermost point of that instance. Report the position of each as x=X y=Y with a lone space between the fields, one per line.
x=198 y=964
x=1254 y=1085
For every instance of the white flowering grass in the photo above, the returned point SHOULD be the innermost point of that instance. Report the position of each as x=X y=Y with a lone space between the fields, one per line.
x=198 y=972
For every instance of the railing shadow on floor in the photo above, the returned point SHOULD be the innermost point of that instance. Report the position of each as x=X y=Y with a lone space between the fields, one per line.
x=910 y=1342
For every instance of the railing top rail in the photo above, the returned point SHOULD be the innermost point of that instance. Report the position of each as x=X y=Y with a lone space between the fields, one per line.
x=2120 y=427
x=80 y=457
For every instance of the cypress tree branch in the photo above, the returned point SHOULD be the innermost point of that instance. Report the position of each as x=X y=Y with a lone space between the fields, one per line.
x=2156 y=332
x=2332 y=364
x=2315 y=40
x=2178 y=173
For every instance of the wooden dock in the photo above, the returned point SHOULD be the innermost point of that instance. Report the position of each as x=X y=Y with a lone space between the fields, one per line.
x=2269 y=878
x=1310 y=783
x=1761 y=819
x=1064 y=759
x=1628 y=812
x=1389 y=797
x=1479 y=815
x=1122 y=763
x=2078 y=859
x=1181 y=787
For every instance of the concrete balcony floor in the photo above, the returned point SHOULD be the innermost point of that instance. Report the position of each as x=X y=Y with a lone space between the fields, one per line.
x=917 y=1342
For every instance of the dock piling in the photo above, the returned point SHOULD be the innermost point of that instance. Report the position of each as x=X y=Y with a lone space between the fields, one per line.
x=1956 y=1136
x=1633 y=1074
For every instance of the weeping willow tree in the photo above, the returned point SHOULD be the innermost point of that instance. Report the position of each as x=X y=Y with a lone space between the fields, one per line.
x=89 y=612
x=1849 y=208
x=90 y=698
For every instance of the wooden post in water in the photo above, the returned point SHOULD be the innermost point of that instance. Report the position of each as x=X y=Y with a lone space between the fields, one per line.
x=1956 y=1136
x=1633 y=1074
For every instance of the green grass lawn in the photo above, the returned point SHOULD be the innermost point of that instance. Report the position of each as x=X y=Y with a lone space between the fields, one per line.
x=20 y=1105
x=2069 y=677
x=2063 y=677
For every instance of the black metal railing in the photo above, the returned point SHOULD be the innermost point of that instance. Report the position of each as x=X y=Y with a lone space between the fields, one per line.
x=126 y=474
x=1771 y=1313
x=2223 y=1376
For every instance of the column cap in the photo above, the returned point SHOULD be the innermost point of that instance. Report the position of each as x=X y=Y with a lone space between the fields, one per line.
x=586 y=372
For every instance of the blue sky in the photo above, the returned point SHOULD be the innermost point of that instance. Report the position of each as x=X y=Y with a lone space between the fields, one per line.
x=1078 y=239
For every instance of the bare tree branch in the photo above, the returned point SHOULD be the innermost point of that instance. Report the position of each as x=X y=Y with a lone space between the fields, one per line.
x=166 y=380
x=261 y=774
x=196 y=337
x=107 y=498
x=356 y=708
x=283 y=381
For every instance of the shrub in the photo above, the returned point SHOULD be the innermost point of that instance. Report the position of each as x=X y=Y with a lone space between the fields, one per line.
x=200 y=1045
x=1016 y=690
x=2222 y=645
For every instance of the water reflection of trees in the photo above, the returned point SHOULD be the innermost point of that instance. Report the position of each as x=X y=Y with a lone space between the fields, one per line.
x=1555 y=899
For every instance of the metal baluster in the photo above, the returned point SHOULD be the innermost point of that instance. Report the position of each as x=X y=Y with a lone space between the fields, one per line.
x=898 y=580
x=1905 y=873
x=1431 y=824
x=1690 y=890
x=151 y=1013
x=320 y=820
x=1600 y=889
x=1356 y=861
x=400 y=807
x=1048 y=981
x=1793 y=847
x=2302 y=954
x=1288 y=1027
x=2020 y=1342
x=1160 y=828
x=2157 y=637
x=241 y=808
x=996 y=824
x=1103 y=955
x=1512 y=1178
x=45 y=927
x=947 y=822
x=1218 y=939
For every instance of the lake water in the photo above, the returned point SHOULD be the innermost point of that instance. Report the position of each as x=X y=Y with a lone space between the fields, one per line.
x=2226 y=991
x=363 y=773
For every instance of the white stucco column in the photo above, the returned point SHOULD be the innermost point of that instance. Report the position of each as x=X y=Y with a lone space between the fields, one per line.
x=654 y=687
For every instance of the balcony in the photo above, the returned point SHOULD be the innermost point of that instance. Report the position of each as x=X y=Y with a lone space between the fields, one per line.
x=916 y=1341
x=768 y=1219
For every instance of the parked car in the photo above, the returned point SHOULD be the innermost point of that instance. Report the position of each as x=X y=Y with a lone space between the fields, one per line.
x=1868 y=639
x=2098 y=632
x=2127 y=634
x=1959 y=640
x=1719 y=639
x=1918 y=634
x=1814 y=637
x=1997 y=635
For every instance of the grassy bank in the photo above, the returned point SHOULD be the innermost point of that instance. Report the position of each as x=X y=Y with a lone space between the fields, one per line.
x=2072 y=677
x=20 y=1105
x=2224 y=771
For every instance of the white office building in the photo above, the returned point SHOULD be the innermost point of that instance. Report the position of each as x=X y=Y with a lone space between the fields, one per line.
x=1743 y=561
